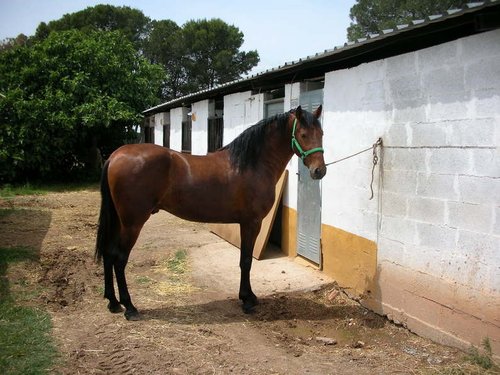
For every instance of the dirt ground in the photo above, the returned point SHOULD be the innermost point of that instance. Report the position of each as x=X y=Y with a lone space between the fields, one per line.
x=192 y=322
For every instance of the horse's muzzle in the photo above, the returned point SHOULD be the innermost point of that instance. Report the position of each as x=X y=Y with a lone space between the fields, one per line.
x=318 y=173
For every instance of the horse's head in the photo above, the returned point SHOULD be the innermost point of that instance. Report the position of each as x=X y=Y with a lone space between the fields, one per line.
x=307 y=141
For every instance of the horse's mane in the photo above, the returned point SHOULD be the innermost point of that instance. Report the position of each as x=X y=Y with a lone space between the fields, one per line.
x=245 y=150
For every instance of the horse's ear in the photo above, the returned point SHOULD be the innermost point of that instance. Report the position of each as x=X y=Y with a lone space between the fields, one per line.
x=298 y=112
x=317 y=112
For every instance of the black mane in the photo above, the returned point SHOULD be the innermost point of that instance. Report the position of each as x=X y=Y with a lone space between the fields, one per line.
x=245 y=150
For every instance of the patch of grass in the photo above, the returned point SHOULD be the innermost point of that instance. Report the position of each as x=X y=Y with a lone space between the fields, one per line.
x=483 y=358
x=477 y=362
x=178 y=263
x=144 y=280
x=26 y=346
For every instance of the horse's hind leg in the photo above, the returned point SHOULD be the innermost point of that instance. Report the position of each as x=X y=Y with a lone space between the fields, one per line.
x=109 y=289
x=128 y=238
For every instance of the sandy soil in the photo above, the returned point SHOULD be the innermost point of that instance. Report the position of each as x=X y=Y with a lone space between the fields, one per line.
x=192 y=321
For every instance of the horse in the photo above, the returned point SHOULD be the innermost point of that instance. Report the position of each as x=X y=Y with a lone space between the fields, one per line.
x=235 y=184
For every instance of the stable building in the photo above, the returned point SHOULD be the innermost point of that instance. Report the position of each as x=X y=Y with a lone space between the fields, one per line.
x=416 y=235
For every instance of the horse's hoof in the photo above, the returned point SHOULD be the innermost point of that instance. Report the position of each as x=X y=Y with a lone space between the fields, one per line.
x=115 y=308
x=249 y=306
x=132 y=315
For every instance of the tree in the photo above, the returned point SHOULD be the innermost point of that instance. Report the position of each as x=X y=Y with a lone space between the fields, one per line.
x=65 y=94
x=213 y=55
x=196 y=56
x=373 y=16
x=131 y=22
x=199 y=55
x=164 y=47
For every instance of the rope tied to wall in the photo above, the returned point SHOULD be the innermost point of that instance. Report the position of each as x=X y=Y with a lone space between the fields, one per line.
x=374 y=147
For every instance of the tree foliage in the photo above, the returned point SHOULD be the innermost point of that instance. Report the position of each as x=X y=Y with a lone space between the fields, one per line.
x=196 y=56
x=83 y=80
x=64 y=96
x=213 y=55
x=130 y=22
x=373 y=16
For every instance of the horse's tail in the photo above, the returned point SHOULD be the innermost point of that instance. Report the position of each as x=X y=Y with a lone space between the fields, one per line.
x=107 y=232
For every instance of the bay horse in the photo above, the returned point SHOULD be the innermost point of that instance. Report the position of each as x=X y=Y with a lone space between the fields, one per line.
x=235 y=184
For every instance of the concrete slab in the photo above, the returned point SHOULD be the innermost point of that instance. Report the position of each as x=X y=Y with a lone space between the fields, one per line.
x=216 y=266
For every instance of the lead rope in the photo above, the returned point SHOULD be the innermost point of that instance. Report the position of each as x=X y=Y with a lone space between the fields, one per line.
x=375 y=160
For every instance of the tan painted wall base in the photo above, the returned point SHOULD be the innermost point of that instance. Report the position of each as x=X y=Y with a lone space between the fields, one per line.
x=446 y=312
x=433 y=307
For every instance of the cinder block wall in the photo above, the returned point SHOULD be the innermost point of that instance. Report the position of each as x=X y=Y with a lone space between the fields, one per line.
x=435 y=218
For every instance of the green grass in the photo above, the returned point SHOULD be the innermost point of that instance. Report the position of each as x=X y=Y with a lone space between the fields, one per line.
x=178 y=263
x=26 y=345
x=483 y=358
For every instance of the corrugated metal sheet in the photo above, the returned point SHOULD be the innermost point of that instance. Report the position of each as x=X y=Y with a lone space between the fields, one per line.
x=434 y=29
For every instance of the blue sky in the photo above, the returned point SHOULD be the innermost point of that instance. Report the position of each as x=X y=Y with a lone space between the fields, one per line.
x=279 y=30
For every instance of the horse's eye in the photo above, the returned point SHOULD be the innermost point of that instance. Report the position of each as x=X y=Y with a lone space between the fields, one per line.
x=303 y=136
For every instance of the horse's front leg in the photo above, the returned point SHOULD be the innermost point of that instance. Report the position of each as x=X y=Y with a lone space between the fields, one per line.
x=248 y=233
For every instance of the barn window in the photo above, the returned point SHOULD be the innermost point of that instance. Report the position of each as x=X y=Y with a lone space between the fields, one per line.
x=215 y=133
x=149 y=130
x=186 y=136
x=166 y=135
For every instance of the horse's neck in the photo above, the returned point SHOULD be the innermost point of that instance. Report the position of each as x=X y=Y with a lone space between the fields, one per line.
x=277 y=155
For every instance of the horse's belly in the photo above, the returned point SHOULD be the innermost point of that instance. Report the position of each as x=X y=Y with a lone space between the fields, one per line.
x=206 y=208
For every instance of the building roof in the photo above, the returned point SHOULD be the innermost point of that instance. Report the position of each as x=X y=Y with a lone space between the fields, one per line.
x=473 y=18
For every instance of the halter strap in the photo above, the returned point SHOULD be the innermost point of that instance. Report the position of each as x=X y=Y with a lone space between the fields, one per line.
x=296 y=145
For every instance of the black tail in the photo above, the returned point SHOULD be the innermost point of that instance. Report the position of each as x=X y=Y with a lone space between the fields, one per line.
x=107 y=232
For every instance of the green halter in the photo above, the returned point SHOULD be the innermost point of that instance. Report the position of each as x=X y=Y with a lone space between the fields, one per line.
x=296 y=145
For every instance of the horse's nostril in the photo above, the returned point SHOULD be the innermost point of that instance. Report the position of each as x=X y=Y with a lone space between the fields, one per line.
x=318 y=173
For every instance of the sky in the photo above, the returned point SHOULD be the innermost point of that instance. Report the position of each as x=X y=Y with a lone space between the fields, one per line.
x=280 y=30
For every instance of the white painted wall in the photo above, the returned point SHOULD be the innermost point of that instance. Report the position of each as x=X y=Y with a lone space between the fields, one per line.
x=241 y=110
x=199 y=137
x=160 y=119
x=435 y=217
x=438 y=207
x=291 y=101
x=177 y=115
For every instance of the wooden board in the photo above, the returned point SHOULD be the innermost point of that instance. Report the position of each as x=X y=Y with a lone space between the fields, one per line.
x=231 y=232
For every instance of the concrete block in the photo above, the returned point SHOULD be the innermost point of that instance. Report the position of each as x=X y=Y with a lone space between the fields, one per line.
x=450 y=161
x=472 y=217
x=483 y=74
x=479 y=248
x=429 y=134
x=454 y=106
x=486 y=162
x=496 y=223
x=398 y=229
x=405 y=87
x=487 y=103
x=406 y=159
x=400 y=181
x=436 y=236
x=423 y=259
x=374 y=91
x=442 y=82
x=394 y=204
x=397 y=135
x=453 y=269
x=409 y=110
x=441 y=55
x=441 y=186
x=479 y=190
x=400 y=65
x=390 y=251
x=473 y=132
x=476 y=47
x=426 y=210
